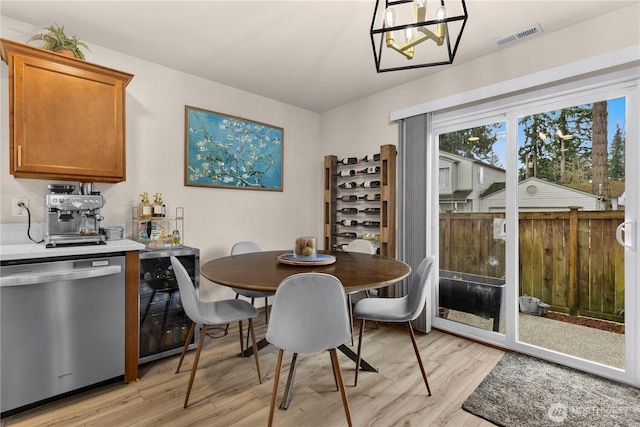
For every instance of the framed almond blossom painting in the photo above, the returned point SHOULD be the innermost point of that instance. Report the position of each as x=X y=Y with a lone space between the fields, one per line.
x=231 y=152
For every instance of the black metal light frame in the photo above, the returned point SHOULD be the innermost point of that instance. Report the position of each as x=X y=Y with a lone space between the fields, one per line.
x=382 y=31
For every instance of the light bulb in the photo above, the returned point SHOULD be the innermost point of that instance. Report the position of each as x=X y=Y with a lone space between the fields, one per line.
x=389 y=17
x=441 y=13
x=409 y=33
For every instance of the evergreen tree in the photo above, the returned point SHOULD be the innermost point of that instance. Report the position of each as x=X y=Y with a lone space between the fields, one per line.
x=616 y=158
x=554 y=139
x=475 y=143
x=599 y=151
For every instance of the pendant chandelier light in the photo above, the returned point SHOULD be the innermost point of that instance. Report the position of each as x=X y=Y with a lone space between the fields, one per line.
x=409 y=34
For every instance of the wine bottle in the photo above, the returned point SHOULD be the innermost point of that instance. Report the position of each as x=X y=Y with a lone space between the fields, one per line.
x=369 y=170
x=371 y=211
x=348 y=198
x=348 y=185
x=348 y=161
x=370 y=184
x=346 y=172
x=347 y=234
x=341 y=246
x=371 y=236
x=370 y=223
x=371 y=158
x=349 y=211
x=370 y=197
x=347 y=222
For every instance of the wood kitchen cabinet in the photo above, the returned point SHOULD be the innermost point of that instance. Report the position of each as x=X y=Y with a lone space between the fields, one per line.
x=66 y=116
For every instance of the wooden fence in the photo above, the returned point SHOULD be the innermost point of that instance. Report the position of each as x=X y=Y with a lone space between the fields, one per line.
x=569 y=259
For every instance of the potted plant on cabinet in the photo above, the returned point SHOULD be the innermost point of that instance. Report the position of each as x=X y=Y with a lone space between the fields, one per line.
x=57 y=41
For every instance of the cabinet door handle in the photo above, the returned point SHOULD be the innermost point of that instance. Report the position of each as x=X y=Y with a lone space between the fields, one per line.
x=19 y=155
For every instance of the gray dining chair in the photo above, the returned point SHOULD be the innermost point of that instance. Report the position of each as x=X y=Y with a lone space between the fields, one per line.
x=398 y=310
x=247 y=248
x=210 y=313
x=309 y=315
x=364 y=247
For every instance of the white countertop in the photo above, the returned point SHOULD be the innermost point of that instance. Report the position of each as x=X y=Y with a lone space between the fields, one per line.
x=9 y=252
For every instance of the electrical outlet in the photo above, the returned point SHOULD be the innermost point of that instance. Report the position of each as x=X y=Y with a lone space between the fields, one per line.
x=19 y=210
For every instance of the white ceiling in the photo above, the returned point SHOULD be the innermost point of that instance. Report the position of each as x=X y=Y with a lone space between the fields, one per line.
x=312 y=54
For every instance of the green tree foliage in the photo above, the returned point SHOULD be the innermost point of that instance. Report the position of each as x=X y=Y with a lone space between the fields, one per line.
x=459 y=143
x=616 y=156
x=553 y=140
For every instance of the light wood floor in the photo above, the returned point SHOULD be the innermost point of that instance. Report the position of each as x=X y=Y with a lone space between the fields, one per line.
x=226 y=390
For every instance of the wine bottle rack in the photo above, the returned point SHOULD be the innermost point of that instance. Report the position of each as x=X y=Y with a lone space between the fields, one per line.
x=352 y=205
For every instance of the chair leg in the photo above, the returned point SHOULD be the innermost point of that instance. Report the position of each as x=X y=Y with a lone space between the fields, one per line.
x=241 y=337
x=226 y=328
x=415 y=348
x=186 y=345
x=338 y=373
x=203 y=330
x=266 y=310
x=368 y=294
x=335 y=378
x=355 y=382
x=276 y=379
x=253 y=304
x=350 y=316
x=255 y=349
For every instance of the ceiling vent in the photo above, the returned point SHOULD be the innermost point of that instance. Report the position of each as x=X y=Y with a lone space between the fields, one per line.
x=526 y=33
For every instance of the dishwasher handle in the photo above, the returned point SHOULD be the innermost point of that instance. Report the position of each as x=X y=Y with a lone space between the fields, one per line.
x=58 y=276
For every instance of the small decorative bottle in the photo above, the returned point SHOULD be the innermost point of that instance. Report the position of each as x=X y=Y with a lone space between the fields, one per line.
x=158 y=206
x=144 y=209
x=175 y=238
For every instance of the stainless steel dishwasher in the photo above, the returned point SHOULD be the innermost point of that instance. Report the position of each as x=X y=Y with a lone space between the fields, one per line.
x=61 y=326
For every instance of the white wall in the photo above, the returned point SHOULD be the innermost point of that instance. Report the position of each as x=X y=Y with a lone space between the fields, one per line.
x=214 y=218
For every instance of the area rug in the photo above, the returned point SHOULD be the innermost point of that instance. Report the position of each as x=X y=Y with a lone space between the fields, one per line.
x=523 y=391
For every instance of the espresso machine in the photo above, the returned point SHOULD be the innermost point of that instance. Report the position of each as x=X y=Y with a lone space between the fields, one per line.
x=72 y=219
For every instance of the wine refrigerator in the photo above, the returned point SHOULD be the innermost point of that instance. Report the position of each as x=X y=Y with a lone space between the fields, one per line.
x=163 y=323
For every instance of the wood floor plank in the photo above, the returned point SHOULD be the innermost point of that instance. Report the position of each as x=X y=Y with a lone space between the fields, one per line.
x=226 y=391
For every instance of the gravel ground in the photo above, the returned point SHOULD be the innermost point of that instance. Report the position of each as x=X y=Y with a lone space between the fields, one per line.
x=581 y=341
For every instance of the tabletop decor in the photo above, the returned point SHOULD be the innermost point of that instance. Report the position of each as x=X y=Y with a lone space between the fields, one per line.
x=305 y=247
x=319 y=259
x=231 y=152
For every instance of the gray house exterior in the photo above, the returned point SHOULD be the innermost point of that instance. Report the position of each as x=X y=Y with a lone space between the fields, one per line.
x=463 y=181
x=468 y=185
x=536 y=194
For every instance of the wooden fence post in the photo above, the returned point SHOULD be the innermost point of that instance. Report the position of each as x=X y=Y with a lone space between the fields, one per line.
x=447 y=239
x=573 y=260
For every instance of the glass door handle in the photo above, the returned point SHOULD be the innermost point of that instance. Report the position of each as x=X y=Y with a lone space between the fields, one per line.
x=628 y=228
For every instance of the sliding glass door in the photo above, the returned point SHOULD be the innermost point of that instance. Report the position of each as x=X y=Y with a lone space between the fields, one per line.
x=570 y=199
x=537 y=207
x=471 y=167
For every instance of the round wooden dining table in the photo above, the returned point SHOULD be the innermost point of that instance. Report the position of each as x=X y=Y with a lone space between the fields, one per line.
x=261 y=271
x=264 y=271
